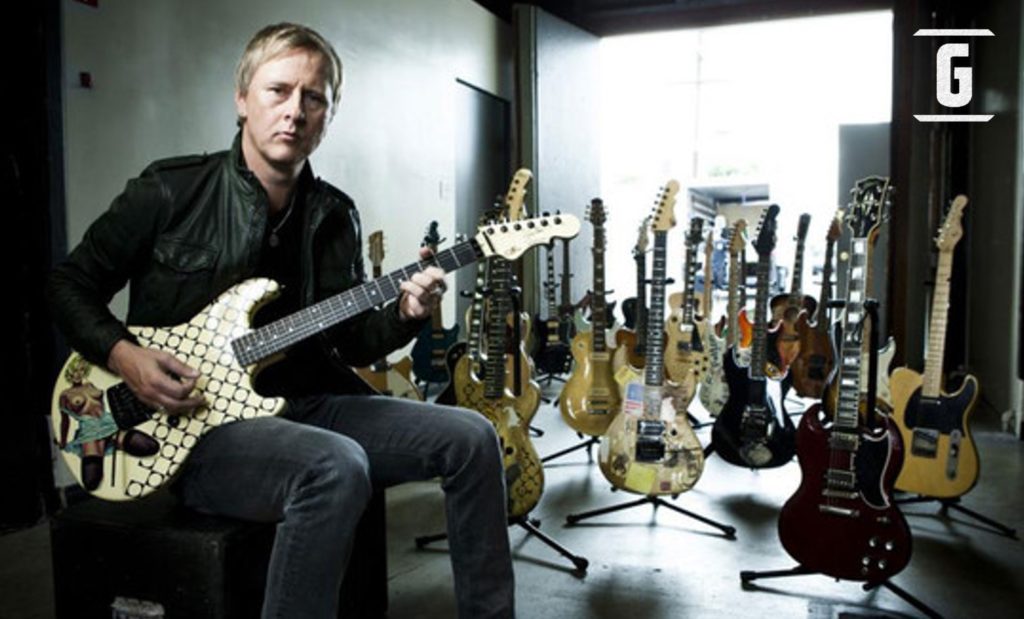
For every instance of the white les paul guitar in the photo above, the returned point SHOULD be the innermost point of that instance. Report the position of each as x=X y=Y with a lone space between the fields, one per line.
x=119 y=449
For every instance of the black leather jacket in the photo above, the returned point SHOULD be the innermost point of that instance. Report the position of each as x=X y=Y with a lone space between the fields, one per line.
x=189 y=228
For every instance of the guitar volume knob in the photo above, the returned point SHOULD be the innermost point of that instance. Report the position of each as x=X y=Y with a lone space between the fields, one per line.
x=889 y=545
x=873 y=542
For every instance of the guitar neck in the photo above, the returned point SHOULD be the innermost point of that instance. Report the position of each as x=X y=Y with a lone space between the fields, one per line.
x=279 y=335
x=566 y=293
x=498 y=309
x=937 y=328
x=733 y=310
x=759 y=347
x=549 y=285
x=598 y=307
x=689 y=274
x=654 y=371
x=848 y=406
x=476 y=313
x=641 y=298
x=796 y=290
x=821 y=312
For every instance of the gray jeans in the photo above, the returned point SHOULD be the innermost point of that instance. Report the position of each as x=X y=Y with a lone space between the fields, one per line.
x=312 y=471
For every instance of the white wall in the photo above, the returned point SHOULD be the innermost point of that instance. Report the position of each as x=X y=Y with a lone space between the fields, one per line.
x=163 y=71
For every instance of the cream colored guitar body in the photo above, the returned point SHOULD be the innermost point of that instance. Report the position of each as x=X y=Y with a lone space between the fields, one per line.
x=590 y=398
x=524 y=475
x=675 y=472
x=83 y=422
x=686 y=353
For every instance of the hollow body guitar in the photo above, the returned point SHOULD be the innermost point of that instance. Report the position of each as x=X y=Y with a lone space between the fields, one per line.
x=788 y=308
x=749 y=431
x=841 y=521
x=714 y=389
x=812 y=368
x=432 y=343
x=650 y=447
x=629 y=341
x=385 y=377
x=590 y=398
x=686 y=352
x=941 y=459
x=99 y=422
x=509 y=410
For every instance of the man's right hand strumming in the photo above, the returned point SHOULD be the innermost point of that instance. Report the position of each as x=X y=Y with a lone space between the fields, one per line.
x=156 y=377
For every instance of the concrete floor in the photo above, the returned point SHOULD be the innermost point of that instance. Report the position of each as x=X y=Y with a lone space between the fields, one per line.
x=659 y=564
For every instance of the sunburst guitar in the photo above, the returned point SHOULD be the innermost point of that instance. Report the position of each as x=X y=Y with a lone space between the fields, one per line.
x=650 y=447
x=686 y=351
x=941 y=459
x=119 y=449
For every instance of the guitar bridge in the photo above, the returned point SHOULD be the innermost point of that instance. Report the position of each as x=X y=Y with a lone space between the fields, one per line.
x=953 y=455
x=649 y=445
x=839 y=511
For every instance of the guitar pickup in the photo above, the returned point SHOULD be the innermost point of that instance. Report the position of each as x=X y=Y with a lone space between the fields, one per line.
x=924 y=443
x=128 y=411
x=649 y=444
x=839 y=494
x=844 y=441
x=846 y=512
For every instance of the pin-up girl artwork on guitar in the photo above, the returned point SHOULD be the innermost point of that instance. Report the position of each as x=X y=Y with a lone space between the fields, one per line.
x=96 y=431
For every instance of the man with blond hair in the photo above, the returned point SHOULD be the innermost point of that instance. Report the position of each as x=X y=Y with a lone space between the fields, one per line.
x=187 y=229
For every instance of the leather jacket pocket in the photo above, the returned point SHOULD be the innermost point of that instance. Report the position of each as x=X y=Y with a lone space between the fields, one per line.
x=185 y=256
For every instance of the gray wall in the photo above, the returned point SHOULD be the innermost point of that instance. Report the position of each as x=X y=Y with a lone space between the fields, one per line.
x=162 y=86
x=565 y=148
x=996 y=211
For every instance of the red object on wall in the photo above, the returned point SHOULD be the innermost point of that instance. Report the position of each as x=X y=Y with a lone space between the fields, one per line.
x=92 y=3
x=85 y=79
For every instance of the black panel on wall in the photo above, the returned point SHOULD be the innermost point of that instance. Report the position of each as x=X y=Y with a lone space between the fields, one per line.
x=31 y=188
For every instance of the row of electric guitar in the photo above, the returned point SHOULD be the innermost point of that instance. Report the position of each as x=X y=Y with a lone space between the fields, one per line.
x=635 y=393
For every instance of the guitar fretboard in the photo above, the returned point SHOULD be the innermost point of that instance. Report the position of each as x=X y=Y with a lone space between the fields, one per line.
x=759 y=347
x=641 y=298
x=937 y=327
x=498 y=308
x=735 y=278
x=598 y=308
x=654 y=352
x=279 y=335
x=848 y=403
x=821 y=312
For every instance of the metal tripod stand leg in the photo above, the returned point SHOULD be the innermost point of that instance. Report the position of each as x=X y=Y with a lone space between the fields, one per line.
x=531 y=525
x=728 y=531
x=954 y=503
x=584 y=444
x=750 y=576
x=581 y=563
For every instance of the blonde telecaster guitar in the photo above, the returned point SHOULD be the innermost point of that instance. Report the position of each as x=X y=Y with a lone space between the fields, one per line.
x=940 y=458
x=106 y=433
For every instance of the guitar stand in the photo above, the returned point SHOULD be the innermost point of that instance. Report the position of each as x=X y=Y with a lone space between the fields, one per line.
x=584 y=444
x=655 y=501
x=746 y=577
x=546 y=380
x=532 y=526
x=954 y=503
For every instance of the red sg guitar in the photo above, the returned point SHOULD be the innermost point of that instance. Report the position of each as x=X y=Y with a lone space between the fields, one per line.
x=841 y=521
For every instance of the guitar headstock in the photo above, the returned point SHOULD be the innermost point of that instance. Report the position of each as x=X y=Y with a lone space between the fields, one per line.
x=693 y=237
x=951 y=231
x=802 y=227
x=739 y=236
x=432 y=238
x=662 y=216
x=510 y=240
x=765 y=242
x=642 y=238
x=835 y=229
x=376 y=249
x=596 y=212
x=516 y=195
x=870 y=199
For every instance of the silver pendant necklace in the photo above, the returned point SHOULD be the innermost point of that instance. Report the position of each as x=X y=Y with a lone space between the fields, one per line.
x=274 y=240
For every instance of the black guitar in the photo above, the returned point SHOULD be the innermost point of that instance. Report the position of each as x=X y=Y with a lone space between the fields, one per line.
x=749 y=431
x=550 y=351
x=433 y=342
